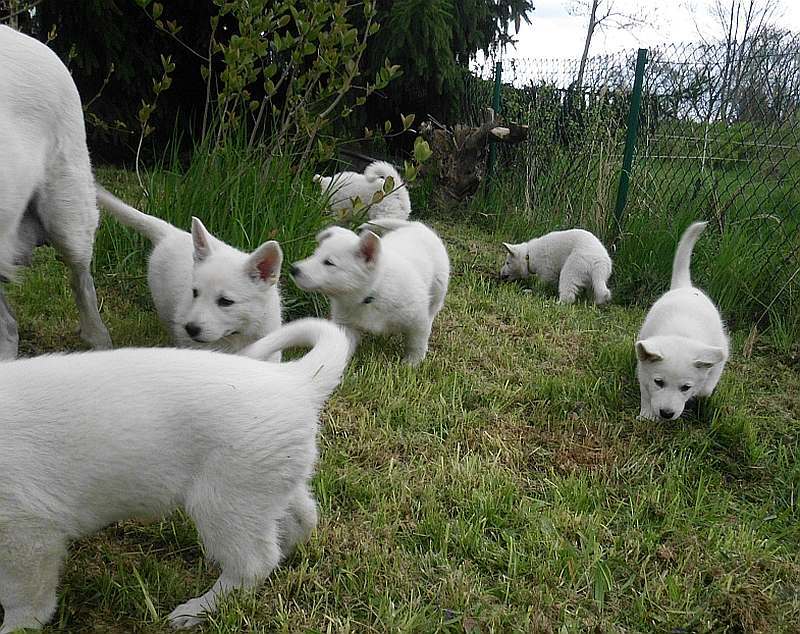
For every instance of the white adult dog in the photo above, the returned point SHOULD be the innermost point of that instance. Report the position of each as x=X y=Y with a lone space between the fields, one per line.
x=46 y=183
x=343 y=187
x=682 y=346
x=396 y=284
x=94 y=438
x=208 y=294
x=574 y=258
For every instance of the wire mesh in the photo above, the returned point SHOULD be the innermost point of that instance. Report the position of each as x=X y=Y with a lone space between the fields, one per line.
x=719 y=139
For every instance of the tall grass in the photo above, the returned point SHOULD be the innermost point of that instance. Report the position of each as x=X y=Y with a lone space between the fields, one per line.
x=744 y=260
x=241 y=198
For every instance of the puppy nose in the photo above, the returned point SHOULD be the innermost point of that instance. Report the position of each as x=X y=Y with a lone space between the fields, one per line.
x=192 y=329
x=666 y=413
x=294 y=270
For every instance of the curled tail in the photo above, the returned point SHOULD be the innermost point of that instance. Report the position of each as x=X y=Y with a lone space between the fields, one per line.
x=154 y=229
x=382 y=169
x=324 y=364
x=387 y=224
x=681 y=275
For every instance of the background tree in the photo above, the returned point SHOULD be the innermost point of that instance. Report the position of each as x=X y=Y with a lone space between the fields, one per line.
x=608 y=14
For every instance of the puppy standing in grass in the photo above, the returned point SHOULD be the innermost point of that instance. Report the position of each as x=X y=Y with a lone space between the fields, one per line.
x=343 y=187
x=392 y=285
x=682 y=346
x=46 y=183
x=94 y=438
x=208 y=294
x=574 y=258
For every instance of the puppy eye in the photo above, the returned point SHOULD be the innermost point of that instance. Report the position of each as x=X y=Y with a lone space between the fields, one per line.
x=328 y=262
x=659 y=382
x=685 y=388
x=194 y=292
x=224 y=301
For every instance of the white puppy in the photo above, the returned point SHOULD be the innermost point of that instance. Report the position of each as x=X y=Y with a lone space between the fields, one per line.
x=208 y=294
x=46 y=183
x=392 y=285
x=574 y=258
x=682 y=346
x=343 y=187
x=94 y=438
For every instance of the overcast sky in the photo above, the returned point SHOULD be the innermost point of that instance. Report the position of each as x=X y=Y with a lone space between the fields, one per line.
x=556 y=33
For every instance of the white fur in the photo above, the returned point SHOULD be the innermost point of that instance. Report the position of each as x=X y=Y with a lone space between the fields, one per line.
x=94 y=438
x=405 y=274
x=344 y=187
x=46 y=184
x=575 y=259
x=682 y=346
x=182 y=263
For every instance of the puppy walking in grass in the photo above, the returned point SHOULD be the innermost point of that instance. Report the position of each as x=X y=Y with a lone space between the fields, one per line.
x=343 y=187
x=395 y=284
x=94 y=438
x=575 y=259
x=208 y=294
x=682 y=346
x=46 y=184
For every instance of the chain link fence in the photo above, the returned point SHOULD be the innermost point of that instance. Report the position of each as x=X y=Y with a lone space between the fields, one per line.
x=718 y=139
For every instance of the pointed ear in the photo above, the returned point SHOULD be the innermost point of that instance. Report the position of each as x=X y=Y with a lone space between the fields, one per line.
x=264 y=264
x=369 y=247
x=201 y=240
x=647 y=351
x=508 y=247
x=709 y=356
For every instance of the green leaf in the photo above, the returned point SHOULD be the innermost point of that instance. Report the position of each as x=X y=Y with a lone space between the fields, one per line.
x=387 y=127
x=158 y=9
x=422 y=151
x=377 y=197
x=388 y=185
x=408 y=120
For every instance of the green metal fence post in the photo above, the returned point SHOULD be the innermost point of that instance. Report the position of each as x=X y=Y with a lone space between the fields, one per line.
x=498 y=77
x=630 y=139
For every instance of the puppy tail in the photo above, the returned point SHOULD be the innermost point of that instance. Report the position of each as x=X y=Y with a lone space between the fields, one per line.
x=681 y=275
x=386 y=224
x=154 y=229
x=324 y=364
x=382 y=169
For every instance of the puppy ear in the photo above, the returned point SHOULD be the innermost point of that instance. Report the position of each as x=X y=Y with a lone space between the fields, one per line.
x=647 y=351
x=509 y=247
x=369 y=247
x=324 y=235
x=264 y=263
x=201 y=240
x=709 y=356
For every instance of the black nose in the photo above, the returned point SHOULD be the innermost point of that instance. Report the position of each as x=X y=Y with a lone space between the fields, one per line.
x=192 y=329
x=666 y=413
x=294 y=270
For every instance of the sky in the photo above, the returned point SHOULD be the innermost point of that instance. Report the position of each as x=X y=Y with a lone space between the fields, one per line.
x=556 y=33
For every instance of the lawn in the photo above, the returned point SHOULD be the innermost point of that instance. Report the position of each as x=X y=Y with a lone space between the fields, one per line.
x=504 y=485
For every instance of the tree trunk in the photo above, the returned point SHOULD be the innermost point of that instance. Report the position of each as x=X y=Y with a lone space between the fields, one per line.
x=589 y=34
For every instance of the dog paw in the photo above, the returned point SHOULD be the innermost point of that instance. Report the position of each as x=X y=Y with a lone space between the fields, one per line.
x=187 y=615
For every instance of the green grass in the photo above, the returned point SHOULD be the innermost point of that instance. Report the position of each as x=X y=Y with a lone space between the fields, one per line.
x=502 y=486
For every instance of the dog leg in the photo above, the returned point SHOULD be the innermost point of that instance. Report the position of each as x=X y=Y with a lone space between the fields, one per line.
x=567 y=284
x=28 y=580
x=300 y=520
x=645 y=411
x=711 y=381
x=417 y=343
x=9 y=334
x=244 y=543
x=93 y=331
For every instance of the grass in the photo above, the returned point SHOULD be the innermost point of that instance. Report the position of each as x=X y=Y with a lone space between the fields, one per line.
x=504 y=485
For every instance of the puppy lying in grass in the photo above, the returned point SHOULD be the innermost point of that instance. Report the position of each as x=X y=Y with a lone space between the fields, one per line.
x=94 y=438
x=574 y=258
x=395 y=284
x=343 y=187
x=208 y=294
x=682 y=346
